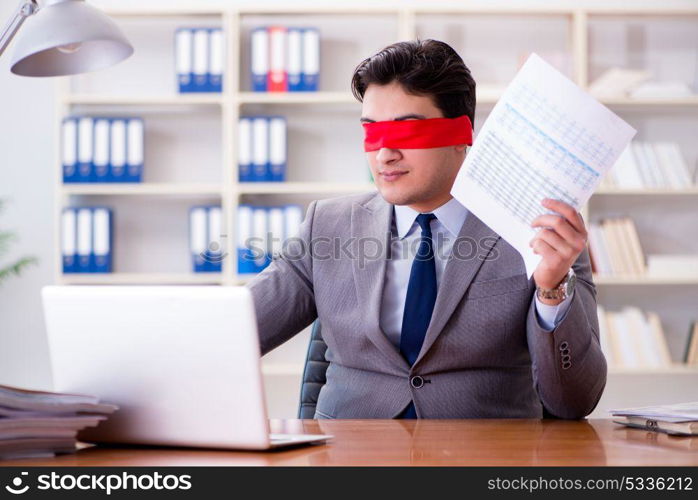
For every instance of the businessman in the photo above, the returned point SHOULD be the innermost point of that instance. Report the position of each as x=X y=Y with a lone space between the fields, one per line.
x=427 y=312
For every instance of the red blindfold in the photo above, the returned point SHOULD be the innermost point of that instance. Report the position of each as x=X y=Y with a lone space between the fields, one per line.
x=418 y=134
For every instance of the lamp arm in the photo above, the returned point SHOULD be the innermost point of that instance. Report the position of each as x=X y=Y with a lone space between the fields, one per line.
x=25 y=9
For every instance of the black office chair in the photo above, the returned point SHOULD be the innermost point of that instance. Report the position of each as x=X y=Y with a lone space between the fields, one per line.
x=313 y=373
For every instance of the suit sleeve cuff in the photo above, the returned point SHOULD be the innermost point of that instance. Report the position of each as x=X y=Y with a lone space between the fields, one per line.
x=549 y=316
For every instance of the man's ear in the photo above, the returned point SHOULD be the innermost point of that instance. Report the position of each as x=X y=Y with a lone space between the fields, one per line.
x=461 y=147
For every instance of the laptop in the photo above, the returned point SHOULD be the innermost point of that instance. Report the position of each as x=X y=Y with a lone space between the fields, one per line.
x=181 y=362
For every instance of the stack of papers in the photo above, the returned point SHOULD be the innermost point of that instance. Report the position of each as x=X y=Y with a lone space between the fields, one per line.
x=42 y=424
x=679 y=419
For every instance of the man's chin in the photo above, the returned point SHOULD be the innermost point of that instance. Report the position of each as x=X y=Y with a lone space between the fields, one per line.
x=396 y=196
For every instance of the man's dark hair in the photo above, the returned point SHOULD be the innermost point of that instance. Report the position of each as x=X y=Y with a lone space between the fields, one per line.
x=423 y=67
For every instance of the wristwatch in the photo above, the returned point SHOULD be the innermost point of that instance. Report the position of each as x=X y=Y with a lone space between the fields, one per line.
x=561 y=291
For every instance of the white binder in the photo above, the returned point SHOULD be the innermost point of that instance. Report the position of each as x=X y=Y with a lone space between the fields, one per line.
x=118 y=151
x=276 y=230
x=135 y=140
x=184 y=55
x=201 y=63
x=197 y=237
x=277 y=149
x=217 y=60
x=214 y=239
x=260 y=59
x=260 y=151
x=70 y=150
x=244 y=233
x=69 y=240
x=84 y=247
x=294 y=57
x=293 y=218
x=260 y=237
x=101 y=227
x=311 y=59
x=101 y=153
x=85 y=148
x=245 y=149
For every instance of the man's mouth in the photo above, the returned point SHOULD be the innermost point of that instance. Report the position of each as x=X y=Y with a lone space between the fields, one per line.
x=392 y=175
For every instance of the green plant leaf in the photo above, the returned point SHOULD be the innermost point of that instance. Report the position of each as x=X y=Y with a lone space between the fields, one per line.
x=16 y=268
x=5 y=239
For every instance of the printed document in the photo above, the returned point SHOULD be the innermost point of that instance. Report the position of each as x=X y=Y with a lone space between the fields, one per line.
x=545 y=138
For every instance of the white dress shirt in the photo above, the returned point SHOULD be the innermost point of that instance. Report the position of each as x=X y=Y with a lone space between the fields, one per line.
x=445 y=229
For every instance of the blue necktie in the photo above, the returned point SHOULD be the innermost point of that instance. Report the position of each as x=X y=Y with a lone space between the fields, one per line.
x=420 y=300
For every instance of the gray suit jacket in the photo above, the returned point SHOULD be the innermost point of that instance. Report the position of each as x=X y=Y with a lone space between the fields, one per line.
x=484 y=354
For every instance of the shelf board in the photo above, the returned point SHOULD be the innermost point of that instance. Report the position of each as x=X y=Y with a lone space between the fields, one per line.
x=147 y=188
x=645 y=280
x=303 y=187
x=164 y=12
x=145 y=100
x=141 y=279
x=296 y=98
x=647 y=191
x=485 y=95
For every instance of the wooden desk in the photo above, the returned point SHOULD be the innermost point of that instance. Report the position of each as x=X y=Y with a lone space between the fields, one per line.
x=423 y=442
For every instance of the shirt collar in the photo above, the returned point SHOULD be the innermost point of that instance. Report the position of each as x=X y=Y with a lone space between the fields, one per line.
x=451 y=214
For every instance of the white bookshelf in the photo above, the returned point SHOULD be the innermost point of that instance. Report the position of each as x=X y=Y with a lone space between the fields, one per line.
x=142 y=279
x=191 y=140
x=147 y=188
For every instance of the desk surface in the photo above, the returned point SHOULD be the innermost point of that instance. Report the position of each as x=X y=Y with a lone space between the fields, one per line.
x=423 y=442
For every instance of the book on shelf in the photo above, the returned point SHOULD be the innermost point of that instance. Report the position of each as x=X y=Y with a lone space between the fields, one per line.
x=262 y=149
x=285 y=59
x=690 y=356
x=87 y=239
x=615 y=248
x=649 y=165
x=633 y=339
x=43 y=424
x=661 y=90
x=679 y=419
x=617 y=82
x=102 y=149
x=672 y=265
x=262 y=232
x=206 y=238
x=200 y=59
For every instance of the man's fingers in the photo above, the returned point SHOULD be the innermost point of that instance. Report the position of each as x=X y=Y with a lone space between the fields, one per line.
x=567 y=211
x=558 y=224
x=556 y=242
x=544 y=249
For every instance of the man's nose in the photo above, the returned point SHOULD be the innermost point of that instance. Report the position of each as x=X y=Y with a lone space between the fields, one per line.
x=388 y=155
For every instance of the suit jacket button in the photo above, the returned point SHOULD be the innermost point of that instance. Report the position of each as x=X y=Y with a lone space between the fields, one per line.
x=417 y=382
x=564 y=345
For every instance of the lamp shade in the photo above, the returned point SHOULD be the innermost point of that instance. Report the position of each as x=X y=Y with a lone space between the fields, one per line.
x=66 y=37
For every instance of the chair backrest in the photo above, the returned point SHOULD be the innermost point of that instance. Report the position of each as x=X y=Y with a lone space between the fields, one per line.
x=313 y=373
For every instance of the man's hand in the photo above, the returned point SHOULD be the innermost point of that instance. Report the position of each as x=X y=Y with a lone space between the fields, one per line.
x=560 y=241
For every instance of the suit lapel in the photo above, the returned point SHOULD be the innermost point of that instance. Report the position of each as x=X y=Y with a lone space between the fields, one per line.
x=457 y=276
x=370 y=226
